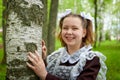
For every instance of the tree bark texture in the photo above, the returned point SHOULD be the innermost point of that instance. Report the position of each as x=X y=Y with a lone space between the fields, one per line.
x=52 y=25
x=95 y=18
x=23 y=25
x=45 y=26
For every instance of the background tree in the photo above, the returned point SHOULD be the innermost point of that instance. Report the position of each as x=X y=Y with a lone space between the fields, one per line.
x=45 y=24
x=101 y=10
x=95 y=18
x=116 y=19
x=52 y=25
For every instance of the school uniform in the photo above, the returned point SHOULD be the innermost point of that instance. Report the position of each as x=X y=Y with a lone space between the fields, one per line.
x=83 y=64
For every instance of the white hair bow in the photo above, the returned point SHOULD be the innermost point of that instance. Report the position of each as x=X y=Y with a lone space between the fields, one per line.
x=83 y=14
x=86 y=16
x=67 y=11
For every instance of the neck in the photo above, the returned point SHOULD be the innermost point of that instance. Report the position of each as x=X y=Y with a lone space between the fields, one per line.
x=72 y=49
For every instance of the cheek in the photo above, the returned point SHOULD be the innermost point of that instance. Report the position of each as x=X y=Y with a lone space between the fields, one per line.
x=79 y=34
x=63 y=32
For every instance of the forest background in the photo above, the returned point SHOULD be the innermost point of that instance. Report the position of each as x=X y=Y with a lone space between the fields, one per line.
x=106 y=21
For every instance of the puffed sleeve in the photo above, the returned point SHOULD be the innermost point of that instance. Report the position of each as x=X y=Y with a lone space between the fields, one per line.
x=90 y=70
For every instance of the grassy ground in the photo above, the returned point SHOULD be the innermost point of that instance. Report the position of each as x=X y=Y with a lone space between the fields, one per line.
x=2 y=67
x=112 y=51
x=109 y=48
x=2 y=72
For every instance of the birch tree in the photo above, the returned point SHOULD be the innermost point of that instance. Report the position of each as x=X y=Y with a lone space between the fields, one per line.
x=23 y=33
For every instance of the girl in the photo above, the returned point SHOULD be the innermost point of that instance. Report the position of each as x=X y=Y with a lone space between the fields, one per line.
x=75 y=60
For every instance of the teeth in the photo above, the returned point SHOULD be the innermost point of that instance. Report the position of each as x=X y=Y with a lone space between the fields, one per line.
x=69 y=38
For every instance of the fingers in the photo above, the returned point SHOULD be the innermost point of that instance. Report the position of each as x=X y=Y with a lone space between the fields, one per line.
x=43 y=42
x=31 y=66
x=36 y=64
x=43 y=46
x=44 y=50
x=33 y=56
x=32 y=61
x=38 y=55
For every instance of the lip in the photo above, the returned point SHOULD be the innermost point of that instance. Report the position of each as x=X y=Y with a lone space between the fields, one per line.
x=69 y=38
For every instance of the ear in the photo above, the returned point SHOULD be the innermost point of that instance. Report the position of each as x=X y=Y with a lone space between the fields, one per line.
x=84 y=32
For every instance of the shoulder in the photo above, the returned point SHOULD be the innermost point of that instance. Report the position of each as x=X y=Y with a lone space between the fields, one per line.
x=100 y=55
x=91 y=54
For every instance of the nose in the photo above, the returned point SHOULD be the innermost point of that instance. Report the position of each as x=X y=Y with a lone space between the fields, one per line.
x=69 y=31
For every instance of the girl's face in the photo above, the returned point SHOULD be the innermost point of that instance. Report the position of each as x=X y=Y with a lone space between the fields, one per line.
x=72 y=31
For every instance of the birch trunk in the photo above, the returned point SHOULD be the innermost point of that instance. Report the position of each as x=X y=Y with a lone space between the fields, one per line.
x=24 y=23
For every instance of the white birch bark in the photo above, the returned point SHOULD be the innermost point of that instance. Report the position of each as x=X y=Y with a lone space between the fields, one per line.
x=23 y=34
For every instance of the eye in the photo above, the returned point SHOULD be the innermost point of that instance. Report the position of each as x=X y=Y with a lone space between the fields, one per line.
x=65 y=28
x=75 y=28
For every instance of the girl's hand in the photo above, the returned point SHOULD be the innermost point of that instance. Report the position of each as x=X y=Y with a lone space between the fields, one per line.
x=44 y=50
x=37 y=65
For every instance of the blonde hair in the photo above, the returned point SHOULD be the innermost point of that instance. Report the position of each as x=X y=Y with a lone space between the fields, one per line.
x=86 y=23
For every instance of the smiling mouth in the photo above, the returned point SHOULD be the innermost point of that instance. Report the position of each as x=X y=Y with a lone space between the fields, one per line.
x=70 y=38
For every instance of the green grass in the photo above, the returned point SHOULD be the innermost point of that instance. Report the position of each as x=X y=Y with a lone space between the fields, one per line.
x=1 y=37
x=1 y=54
x=2 y=72
x=109 y=48
x=2 y=67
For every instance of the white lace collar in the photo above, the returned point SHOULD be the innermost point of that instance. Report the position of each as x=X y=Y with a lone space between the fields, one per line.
x=75 y=56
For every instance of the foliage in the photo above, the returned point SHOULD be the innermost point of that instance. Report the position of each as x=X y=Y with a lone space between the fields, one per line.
x=1 y=8
x=74 y=5
x=107 y=35
x=1 y=40
x=107 y=14
x=106 y=9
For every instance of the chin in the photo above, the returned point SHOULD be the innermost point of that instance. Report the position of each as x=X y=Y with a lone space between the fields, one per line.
x=69 y=44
